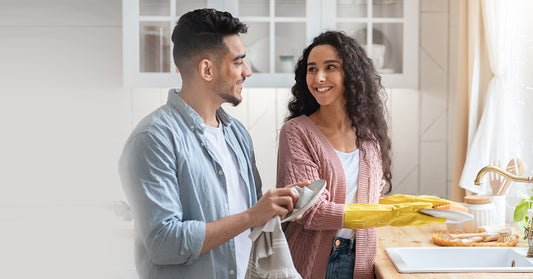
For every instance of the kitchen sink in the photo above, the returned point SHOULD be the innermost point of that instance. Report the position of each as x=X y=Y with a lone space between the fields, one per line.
x=460 y=259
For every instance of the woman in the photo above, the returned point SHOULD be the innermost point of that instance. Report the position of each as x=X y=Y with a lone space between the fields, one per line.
x=336 y=130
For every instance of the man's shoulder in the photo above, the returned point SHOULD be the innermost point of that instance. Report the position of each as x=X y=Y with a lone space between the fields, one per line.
x=164 y=121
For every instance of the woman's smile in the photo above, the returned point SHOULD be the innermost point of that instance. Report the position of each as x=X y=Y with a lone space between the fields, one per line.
x=323 y=89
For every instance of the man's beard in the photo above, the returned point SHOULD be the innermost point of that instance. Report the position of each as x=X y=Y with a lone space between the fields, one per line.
x=227 y=93
x=231 y=99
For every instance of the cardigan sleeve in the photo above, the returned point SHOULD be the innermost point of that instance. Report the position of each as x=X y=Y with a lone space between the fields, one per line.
x=297 y=161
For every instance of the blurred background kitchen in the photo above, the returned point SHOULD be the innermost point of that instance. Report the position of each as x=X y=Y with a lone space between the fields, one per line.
x=77 y=76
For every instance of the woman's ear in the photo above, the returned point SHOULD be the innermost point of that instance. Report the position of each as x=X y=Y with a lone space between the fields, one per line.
x=206 y=68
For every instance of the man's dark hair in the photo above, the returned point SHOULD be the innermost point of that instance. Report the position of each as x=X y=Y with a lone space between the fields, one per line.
x=202 y=32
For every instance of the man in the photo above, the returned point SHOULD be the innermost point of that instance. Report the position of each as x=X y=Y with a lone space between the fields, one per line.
x=188 y=168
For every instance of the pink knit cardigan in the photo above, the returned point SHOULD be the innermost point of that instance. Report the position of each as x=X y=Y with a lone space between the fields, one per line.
x=306 y=154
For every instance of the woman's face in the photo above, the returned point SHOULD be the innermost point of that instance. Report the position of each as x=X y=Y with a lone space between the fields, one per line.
x=325 y=76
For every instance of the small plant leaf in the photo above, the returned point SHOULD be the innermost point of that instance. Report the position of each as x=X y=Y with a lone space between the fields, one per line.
x=520 y=211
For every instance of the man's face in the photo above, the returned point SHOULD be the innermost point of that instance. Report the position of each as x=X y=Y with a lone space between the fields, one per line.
x=232 y=71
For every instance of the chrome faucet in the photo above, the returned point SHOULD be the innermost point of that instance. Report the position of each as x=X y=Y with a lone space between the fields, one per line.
x=528 y=231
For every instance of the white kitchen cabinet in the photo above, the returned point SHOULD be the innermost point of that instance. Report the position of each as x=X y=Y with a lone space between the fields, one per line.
x=146 y=44
x=278 y=32
x=389 y=31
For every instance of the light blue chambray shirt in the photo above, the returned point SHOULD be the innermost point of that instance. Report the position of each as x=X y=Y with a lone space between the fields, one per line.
x=175 y=185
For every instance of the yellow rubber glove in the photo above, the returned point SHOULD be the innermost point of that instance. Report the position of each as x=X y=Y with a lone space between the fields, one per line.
x=399 y=198
x=360 y=215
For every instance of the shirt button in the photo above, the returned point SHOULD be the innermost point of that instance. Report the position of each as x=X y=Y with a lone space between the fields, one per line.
x=232 y=272
x=202 y=144
x=220 y=172
x=192 y=127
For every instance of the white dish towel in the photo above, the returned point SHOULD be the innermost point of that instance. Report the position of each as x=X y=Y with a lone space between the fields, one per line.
x=270 y=256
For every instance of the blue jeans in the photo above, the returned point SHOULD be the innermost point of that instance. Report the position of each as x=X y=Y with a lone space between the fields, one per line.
x=342 y=259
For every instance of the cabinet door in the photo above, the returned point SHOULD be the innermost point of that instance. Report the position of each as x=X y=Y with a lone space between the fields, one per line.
x=147 y=46
x=388 y=29
x=278 y=32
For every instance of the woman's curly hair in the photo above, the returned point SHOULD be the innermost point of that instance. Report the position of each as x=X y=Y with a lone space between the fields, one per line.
x=364 y=94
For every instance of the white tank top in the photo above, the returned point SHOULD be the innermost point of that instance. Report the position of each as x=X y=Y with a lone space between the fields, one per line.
x=350 y=164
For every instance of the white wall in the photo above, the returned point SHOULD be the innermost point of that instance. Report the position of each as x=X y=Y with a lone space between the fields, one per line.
x=438 y=68
x=65 y=117
x=64 y=112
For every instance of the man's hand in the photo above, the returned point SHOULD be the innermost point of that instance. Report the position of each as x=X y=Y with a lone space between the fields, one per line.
x=274 y=202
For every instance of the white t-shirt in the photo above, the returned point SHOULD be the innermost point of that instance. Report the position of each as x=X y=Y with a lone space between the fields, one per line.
x=350 y=164
x=237 y=194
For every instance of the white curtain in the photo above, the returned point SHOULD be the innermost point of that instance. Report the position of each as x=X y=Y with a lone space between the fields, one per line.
x=504 y=130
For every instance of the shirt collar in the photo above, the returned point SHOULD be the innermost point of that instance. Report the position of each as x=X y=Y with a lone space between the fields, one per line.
x=193 y=119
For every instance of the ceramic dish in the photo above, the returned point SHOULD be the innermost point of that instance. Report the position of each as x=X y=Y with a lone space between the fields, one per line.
x=452 y=216
x=317 y=187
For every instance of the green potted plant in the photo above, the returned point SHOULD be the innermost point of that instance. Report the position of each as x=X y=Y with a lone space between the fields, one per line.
x=523 y=211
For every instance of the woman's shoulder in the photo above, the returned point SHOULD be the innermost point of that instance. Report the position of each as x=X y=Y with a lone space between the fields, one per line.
x=299 y=124
x=302 y=131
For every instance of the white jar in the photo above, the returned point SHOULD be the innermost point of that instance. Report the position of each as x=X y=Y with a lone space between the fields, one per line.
x=483 y=210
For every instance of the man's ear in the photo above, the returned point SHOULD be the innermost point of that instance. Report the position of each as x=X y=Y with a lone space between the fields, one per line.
x=206 y=68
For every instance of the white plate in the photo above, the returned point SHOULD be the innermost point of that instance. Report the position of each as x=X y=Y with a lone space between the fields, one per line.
x=452 y=216
x=317 y=187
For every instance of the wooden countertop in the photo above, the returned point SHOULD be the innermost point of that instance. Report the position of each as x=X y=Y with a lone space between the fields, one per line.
x=419 y=237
